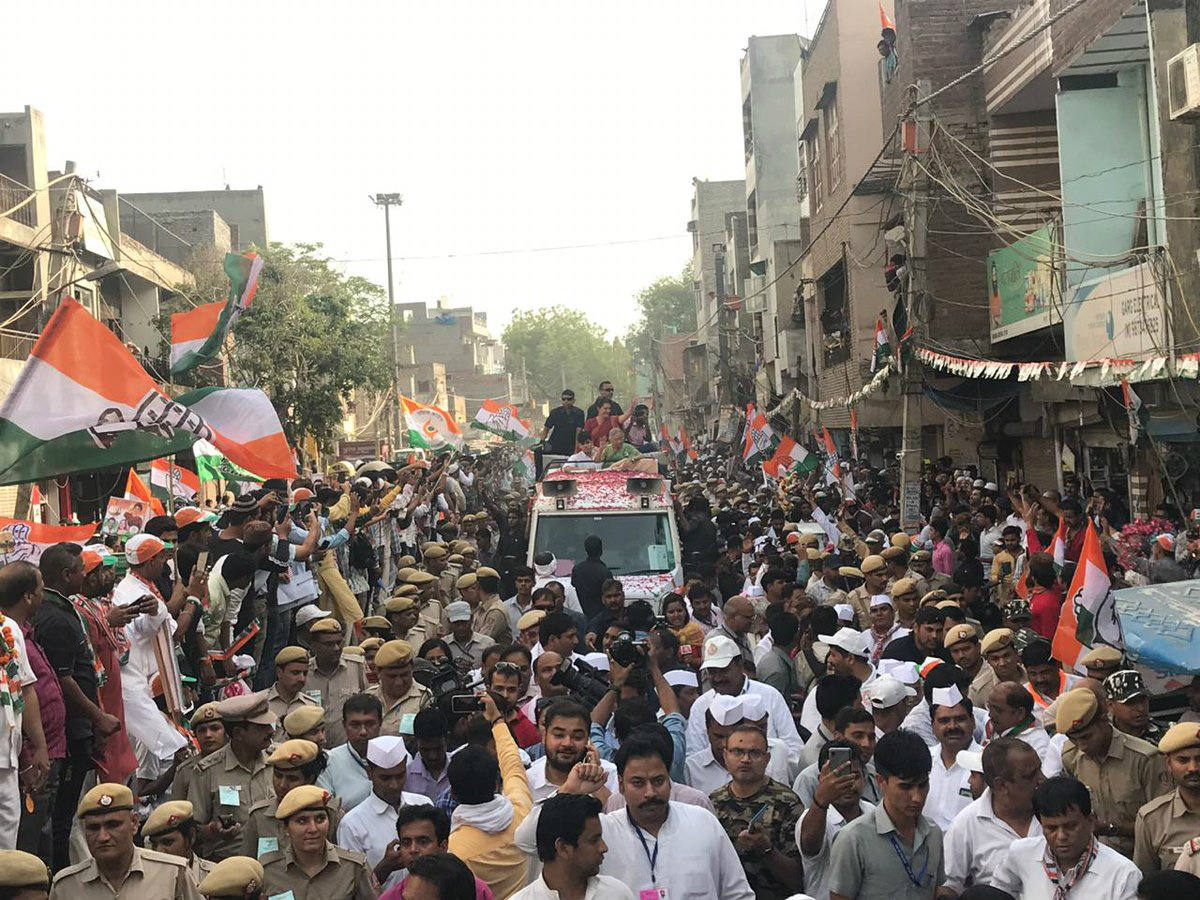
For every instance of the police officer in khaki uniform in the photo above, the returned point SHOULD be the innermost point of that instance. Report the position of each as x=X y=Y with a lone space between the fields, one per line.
x=431 y=608
x=118 y=870
x=1166 y=825
x=490 y=616
x=337 y=874
x=437 y=563
x=403 y=615
x=23 y=876
x=1122 y=773
x=293 y=764
x=209 y=731
x=306 y=723
x=402 y=697
x=236 y=878
x=1102 y=661
x=172 y=828
x=377 y=627
x=289 y=691
x=875 y=574
x=233 y=779
x=333 y=676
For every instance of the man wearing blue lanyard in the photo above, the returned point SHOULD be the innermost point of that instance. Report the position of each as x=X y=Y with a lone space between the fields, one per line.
x=894 y=852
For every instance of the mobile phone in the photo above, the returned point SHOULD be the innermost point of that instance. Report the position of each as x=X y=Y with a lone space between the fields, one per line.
x=838 y=757
x=757 y=817
x=465 y=703
x=1006 y=569
x=202 y=561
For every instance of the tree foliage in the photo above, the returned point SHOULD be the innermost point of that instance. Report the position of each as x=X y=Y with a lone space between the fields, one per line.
x=558 y=345
x=312 y=336
x=668 y=306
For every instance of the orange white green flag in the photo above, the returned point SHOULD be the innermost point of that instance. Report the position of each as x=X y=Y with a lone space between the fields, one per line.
x=501 y=419
x=168 y=479
x=430 y=427
x=136 y=489
x=1089 y=613
x=759 y=441
x=83 y=402
x=25 y=541
x=197 y=334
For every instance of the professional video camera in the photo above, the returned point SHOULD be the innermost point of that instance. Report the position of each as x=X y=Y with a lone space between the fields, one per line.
x=451 y=689
x=627 y=651
x=586 y=683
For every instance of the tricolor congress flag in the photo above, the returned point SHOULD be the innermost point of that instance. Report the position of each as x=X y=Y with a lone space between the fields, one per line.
x=501 y=419
x=197 y=334
x=760 y=437
x=82 y=402
x=168 y=478
x=1089 y=612
x=211 y=465
x=789 y=457
x=21 y=540
x=136 y=489
x=430 y=427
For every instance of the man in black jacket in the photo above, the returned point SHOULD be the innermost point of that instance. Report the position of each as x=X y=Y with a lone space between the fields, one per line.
x=589 y=576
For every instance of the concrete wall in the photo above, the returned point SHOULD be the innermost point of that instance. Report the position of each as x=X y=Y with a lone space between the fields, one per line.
x=711 y=202
x=244 y=211
x=175 y=234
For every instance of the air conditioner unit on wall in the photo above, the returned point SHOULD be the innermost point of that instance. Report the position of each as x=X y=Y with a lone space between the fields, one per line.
x=1183 y=83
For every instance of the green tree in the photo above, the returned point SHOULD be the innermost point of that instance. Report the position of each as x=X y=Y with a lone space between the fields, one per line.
x=311 y=337
x=561 y=346
x=668 y=306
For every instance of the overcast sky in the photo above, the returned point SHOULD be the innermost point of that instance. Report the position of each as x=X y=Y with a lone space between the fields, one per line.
x=506 y=125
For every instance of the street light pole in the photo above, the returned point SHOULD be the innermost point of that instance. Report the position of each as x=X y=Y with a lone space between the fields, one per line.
x=387 y=201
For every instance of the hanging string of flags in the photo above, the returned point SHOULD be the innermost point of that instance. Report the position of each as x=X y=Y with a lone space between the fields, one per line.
x=1087 y=372
x=874 y=386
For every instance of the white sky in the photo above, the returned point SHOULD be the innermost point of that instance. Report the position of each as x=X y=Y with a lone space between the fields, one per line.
x=505 y=125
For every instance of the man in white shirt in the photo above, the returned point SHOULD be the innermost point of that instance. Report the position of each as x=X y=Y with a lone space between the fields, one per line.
x=564 y=729
x=654 y=844
x=726 y=673
x=1010 y=714
x=979 y=837
x=370 y=828
x=836 y=801
x=1066 y=859
x=20 y=715
x=705 y=769
x=949 y=780
x=570 y=846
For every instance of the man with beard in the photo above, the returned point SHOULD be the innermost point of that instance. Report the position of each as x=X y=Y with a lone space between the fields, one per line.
x=109 y=824
x=837 y=800
x=656 y=846
x=570 y=846
x=926 y=639
x=564 y=729
x=1166 y=824
x=1010 y=714
x=953 y=722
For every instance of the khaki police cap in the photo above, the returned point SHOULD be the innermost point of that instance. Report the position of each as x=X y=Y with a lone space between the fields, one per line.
x=403 y=572
x=19 y=869
x=872 y=564
x=307 y=796
x=371 y=643
x=894 y=553
x=303 y=719
x=393 y=653
x=356 y=652
x=903 y=586
x=1180 y=736
x=455 y=558
x=236 y=876
x=948 y=604
x=406 y=590
x=921 y=556
x=531 y=618
x=808 y=540
x=850 y=572
x=902 y=540
x=1102 y=657
x=812 y=553
x=466 y=581
x=997 y=639
x=400 y=604
x=436 y=551
x=291 y=655
x=105 y=797
x=487 y=572
x=422 y=579
x=377 y=622
x=935 y=596
x=294 y=753
x=206 y=712
x=406 y=562
x=327 y=625
x=250 y=708
x=1076 y=709
x=958 y=634
x=168 y=817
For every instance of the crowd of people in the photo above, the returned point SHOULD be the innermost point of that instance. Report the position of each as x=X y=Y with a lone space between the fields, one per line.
x=354 y=686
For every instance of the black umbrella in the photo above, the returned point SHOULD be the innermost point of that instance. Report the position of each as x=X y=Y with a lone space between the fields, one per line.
x=376 y=467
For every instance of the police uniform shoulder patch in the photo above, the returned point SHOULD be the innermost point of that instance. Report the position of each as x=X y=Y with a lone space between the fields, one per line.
x=352 y=856
x=155 y=856
x=261 y=804
x=203 y=765
x=72 y=870
x=273 y=856
x=1157 y=803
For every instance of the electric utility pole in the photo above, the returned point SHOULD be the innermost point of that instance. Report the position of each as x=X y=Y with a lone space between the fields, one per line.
x=387 y=201
x=726 y=395
x=915 y=133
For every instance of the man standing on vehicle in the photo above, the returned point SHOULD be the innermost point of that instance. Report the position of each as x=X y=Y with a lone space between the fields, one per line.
x=605 y=396
x=561 y=428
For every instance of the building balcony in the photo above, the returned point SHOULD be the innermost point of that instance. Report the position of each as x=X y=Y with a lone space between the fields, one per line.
x=13 y=194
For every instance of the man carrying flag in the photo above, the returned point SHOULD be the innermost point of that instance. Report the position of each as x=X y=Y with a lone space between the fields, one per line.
x=1089 y=614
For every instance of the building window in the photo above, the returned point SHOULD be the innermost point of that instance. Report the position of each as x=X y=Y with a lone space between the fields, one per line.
x=836 y=332
x=833 y=143
x=802 y=171
x=815 y=175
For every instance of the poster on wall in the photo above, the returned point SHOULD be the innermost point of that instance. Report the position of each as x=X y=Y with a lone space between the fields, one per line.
x=1117 y=314
x=1023 y=287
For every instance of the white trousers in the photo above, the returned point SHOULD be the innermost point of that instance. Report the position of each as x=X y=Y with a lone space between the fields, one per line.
x=10 y=808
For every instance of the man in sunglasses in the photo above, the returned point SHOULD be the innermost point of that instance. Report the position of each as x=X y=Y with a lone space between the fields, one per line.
x=561 y=428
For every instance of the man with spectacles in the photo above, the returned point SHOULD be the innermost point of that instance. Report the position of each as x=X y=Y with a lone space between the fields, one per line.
x=561 y=430
x=605 y=395
x=759 y=815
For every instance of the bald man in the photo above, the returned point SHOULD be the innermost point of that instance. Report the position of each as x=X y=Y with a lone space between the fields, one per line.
x=739 y=620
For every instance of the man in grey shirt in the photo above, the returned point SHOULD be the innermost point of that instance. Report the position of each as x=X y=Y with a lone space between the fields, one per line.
x=777 y=668
x=894 y=852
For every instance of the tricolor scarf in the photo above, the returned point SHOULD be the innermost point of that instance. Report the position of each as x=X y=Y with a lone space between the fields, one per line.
x=1064 y=881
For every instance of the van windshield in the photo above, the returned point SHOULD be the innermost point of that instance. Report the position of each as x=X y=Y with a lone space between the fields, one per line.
x=634 y=543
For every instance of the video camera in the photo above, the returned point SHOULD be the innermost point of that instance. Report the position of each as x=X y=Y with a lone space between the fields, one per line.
x=586 y=683
x=449 y=686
